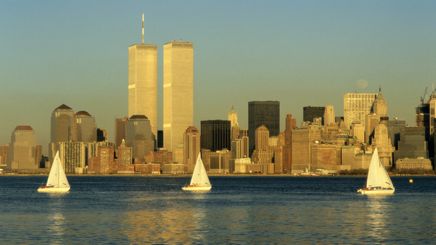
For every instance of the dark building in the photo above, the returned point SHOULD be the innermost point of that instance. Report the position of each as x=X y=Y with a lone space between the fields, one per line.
x=101 y=135
x=215 y=135
x=160 y=137
x=263 y=113
x=412 y=143
x=312 y=112
x=423 y=118
x=394 y=127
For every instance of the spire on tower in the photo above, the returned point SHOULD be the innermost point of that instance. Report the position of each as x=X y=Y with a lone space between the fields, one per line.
x=142 y=28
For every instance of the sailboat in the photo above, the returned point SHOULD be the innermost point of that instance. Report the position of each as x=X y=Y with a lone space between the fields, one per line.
x=378 y=181
x=57 y=180
x=199 y=181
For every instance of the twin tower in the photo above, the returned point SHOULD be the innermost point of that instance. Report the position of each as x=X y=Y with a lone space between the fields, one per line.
x=178 y=87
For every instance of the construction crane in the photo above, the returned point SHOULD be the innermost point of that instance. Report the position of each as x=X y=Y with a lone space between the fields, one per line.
x=423 y=96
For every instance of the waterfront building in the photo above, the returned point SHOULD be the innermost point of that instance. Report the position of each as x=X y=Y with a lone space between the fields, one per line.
x=24 y=153
x=139 y=136
x=124 y=153
x=326 y=156
x=310 y=113
x=395 y=127
x=302 y=139
x=178 y=93
x=3 y=154
x=215 y=135
x=142 y=81
x=357 y=106
x=262 y=153
x=62 y=124
x=383 y=143
x=72 y=154
x=86 y=128
x=291 y=124
x=120 y=130
x=191 y=148
x=412 y=144
x=103 y=162
x=219 y=161
x=265 y=113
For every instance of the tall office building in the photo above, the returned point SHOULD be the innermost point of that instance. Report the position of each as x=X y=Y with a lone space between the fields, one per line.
x=86 y=128
x=120 y=130
x=178 y=93
x=263 y=113
x=24 y=153
x=139 y=136
x=63 y=127
x=329 y=115
x=232 y=116
x=262 y=153
x=191 y=148
x=215 y=135
x=310 y=113
x=291 y=124
x=357 y=106
x=142 y=77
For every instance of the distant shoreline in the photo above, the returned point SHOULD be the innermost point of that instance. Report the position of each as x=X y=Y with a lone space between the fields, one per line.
x=214 y=175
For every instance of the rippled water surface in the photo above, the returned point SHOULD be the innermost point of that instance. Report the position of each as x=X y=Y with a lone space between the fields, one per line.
x=241 y=210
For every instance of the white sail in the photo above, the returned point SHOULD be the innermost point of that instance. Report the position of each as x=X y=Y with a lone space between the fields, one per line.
x=57 y=177
x=377 y=174
x=199 y=176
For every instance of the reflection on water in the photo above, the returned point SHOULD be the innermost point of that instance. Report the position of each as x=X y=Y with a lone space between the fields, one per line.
x=378 y=211
x=125 y=210
x=56 y=227
x=165 y=225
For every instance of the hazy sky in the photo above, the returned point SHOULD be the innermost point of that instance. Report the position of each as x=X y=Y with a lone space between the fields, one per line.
x=298 y=52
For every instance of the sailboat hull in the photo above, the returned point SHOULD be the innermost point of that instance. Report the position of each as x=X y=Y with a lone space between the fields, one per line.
x=197 y=188
x=53 y=189
x=376 y=192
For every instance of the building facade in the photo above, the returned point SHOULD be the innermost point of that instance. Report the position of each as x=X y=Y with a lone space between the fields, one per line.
x=142 y=81
x=178 y=92
x=215 y=135
x=263 y=113
x=191 y=148
x=24 y=153
x=357 y=106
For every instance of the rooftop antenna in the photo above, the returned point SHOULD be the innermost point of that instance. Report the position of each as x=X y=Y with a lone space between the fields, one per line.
x=142 y=29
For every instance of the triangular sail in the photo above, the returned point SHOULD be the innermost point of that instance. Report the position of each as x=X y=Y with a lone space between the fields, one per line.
x=199 y=176
x=377 y=174
x=57 y=177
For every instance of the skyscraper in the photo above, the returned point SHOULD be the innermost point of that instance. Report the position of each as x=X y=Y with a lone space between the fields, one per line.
x=263 y=113
x=312 y=112
x=63 y=127
x=234 y=124
x=357 y=106
x=215 y=135
x=24 y=153
x=178 y=92
x=120 y=130
x=142 y=78
x=139 y=136
x=191 y=147
x=329 y=115
x=86 y=128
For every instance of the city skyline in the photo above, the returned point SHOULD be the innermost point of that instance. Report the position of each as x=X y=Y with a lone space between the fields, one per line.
x=82 y=62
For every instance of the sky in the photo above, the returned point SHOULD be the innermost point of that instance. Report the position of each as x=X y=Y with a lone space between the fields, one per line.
x=297 y=52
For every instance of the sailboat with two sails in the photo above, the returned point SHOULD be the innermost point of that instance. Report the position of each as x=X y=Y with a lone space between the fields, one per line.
x=57 y=181
x=378 y=181
x=199 y=180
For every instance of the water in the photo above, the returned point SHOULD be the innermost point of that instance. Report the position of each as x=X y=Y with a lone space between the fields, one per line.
x=240 y=210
